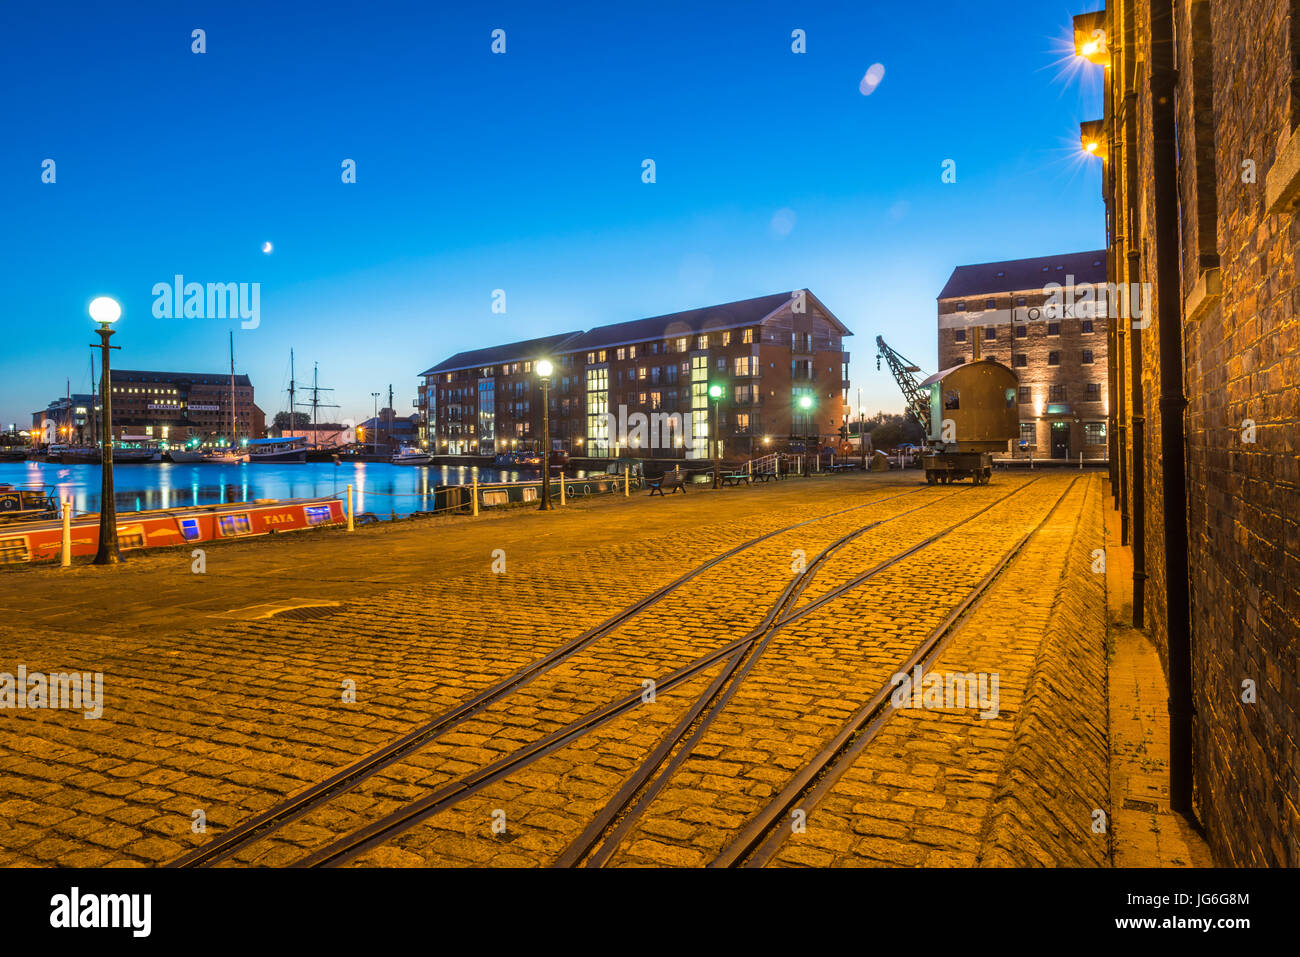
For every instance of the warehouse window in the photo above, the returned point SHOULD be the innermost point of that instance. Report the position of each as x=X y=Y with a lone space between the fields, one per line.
x=1022 y=332
x=1087 y=357
x=1029 y=432
x=959 y=335
x=1085 y=326
x=1053 y=328
x=1093 y=392
x=1053 y=358
x=1056 y=393
x=990 y=332
x=1025 y=396
x=961 y=307
x=1020 y=360
x=1094 y=433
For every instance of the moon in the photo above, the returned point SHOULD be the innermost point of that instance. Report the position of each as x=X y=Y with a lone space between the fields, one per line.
x=266 y=248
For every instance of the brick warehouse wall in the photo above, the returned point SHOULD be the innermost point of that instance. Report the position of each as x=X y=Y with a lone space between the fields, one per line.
x=1240 y=360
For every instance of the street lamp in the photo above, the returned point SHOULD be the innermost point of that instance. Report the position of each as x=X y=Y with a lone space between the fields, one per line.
x=715 y=393
x=105 y=311
x=805 y=404
x=544 y=370
x=375 y=440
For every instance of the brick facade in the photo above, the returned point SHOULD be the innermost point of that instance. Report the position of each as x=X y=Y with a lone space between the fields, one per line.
x=1235 y=329
x=1058 y=349
x=765 y=354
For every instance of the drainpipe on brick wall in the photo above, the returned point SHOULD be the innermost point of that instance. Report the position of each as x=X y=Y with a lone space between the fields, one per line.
x=1172 y=403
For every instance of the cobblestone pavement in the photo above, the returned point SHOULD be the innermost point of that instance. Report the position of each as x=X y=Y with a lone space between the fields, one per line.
x=212 y=714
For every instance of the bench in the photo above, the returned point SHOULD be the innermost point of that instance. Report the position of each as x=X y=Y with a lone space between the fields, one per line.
x=735 y=478
x=763 y=476
x=673 y=481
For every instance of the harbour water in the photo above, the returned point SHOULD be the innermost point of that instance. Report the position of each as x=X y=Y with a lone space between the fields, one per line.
x=386 y=490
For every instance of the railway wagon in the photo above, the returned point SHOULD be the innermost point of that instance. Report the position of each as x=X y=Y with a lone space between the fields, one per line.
x=973 y=413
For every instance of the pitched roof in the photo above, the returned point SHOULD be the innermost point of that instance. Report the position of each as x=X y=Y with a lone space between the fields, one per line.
x=1024 y=274
x=727 y=315
x=510 y=352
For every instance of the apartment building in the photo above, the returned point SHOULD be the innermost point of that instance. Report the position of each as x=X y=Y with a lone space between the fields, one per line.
x=763 y=374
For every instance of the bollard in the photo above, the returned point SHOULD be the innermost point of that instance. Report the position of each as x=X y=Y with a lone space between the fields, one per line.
x=474 y=494
x=562 y=499
x=1080 y=461
x=627 y=482
x=1031 y=460
x=351 y=524
x=65 y=558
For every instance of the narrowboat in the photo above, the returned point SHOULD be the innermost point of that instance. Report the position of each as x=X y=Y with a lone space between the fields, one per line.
x=39 y=541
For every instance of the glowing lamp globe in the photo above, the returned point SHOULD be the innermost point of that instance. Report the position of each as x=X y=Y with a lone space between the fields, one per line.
x=805 y=402
x=715 y=391
x=105 y=310
x=544 y=368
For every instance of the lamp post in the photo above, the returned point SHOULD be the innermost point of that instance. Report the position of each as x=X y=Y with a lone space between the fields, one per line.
x=374 y=440
x=715 y=393
x=105 y=312
x=805 y=404
x=544 y=370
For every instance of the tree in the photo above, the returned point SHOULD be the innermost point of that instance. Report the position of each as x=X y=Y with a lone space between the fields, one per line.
x=889 y=431
x=301 y=420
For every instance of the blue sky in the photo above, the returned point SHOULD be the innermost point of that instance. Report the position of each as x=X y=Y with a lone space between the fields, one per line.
x=519 y=172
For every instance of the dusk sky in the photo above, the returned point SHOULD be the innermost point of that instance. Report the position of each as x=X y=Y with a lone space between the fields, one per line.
x=520 y=172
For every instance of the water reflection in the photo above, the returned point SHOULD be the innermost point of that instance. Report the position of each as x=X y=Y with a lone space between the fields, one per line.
x=386 y=490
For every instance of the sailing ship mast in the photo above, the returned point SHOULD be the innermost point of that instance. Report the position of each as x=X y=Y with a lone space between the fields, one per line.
x=317 y=404
x=94 y=397
x=232 y=390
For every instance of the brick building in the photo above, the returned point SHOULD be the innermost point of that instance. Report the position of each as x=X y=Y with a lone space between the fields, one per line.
x=1201 y=157
x=1020 y=313
x=653 y=377
x=176 y=406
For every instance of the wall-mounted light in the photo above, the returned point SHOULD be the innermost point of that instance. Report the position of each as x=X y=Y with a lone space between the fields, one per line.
x=1092 y=137
x=1090 y=37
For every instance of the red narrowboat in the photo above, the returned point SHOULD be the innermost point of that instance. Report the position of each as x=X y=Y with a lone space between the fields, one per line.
x=39 y=541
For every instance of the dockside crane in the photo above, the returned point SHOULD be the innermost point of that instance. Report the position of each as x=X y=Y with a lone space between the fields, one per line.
x=903 y=369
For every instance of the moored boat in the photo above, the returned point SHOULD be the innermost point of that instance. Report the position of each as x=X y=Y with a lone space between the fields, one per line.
x=408 y=455
x=185 y=456
x=225 y=456
x=282 y=451
x=42 y=540
x=21 y=503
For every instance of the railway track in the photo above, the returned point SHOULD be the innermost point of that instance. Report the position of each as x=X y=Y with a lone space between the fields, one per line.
x=262 y=825
x=762 y=838
x=602 y=837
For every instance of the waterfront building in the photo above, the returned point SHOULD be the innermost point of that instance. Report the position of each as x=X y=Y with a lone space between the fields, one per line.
x=1031 y=315
x=70 y=420
x=388 y=431
x=642 y=388
x=483 y=401
x=174 y=407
